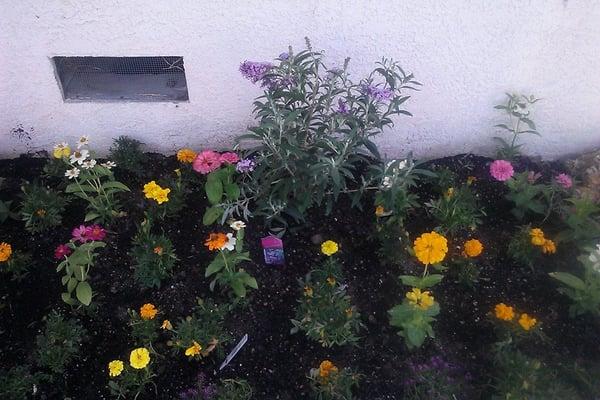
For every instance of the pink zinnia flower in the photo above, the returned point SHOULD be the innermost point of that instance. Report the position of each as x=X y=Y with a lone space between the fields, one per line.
x=207 y=161
x=96 y=233
x=564 y=180
x=61 y=251
x=501 y=170
x=229 y=158
x=81 y=233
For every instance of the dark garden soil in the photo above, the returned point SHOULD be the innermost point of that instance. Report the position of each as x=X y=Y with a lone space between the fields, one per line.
x=274 y=361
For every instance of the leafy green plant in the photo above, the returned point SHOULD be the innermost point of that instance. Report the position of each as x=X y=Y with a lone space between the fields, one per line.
x=127 y=153
x=584 y=292
x=325 y=312
x=234 y=389
x=414 y=317
x=201 y=333
x=224 y=266
x=580 y=215
x=435 y=379
x=41 y=208
x=154 y=256
x=314 y=131
x=328 y=382
x=129 y=382
x=17 y=383
x=455 y=210
x=528 y=197
x=144 y=331
x=60 y=343
x=518 y=110
x=222 y=191
x=14 y=262
x=5 y=211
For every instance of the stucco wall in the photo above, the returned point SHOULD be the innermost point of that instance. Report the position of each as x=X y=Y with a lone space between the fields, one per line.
x=466 y=53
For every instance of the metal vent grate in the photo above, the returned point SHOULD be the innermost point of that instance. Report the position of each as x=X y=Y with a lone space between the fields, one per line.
x=122 y=78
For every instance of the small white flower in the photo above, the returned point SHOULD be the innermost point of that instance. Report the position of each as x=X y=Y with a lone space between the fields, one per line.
x=230 y=245
x=402 y=164
x=387 y=182
x=83 y=141
x=109 y=164
x=79 y=156
x=88 y=164
x=237 y=225
x=72 y=173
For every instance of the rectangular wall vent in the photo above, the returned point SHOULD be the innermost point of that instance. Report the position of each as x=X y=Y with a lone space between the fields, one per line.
x=146 y=79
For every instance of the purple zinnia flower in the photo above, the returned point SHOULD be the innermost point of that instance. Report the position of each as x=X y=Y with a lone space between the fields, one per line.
x=246 y=165
x=81 y=234
x=254 y=71
x=377 y=93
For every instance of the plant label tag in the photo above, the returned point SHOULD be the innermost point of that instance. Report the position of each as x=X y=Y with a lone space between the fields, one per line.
x=273 y=250
x=234 y=352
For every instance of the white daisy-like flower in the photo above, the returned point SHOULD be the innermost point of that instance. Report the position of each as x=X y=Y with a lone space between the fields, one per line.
x=237 y=225
x=88 y=164
x=109 y=164
x=387 y=182
x=72 y=173
x=79 y=156
x=83 y=141
x=402 y=164
x=230 y=244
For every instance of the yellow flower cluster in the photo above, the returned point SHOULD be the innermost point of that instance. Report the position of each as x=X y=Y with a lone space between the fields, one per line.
x=138 y=358
x=186 y=156
x=329 y=248
x=472 y=248
x=5 y=251
x=538 y=239
x=61 y=150
x=507 y=313
x=423 y=300
x=155 y=192
x=430 y=248
x=193 y=350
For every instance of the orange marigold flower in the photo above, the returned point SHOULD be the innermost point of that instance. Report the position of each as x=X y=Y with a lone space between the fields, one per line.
x=379 y=211
x=327 y=368
x=148 y=311
x=216 y=241
x=537 y=237
x=473 y=248
x=330 y=280
x=186 y=156
x=166 y=325
x=430 y=248
x=158 y=250
x=504 y=312
x=5 y=251
x=549 y=247
x=527 y=322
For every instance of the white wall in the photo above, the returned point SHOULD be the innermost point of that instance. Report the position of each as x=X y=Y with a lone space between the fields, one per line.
x=466 y=53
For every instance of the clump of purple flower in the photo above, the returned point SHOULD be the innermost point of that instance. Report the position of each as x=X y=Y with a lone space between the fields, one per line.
x=564 y=180
x=245 y=165
x=255 y=71
x=377 y=93
x=434 y=379
x=201 y=390
x=343 y=107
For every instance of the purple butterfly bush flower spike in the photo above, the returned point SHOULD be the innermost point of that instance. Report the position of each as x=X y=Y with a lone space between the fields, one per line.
x=246 y=165
x=254 y=71
x=377 y=93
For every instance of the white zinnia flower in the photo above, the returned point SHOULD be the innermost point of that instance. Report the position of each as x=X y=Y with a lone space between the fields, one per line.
x=83 y=141
x=230 y=245
x=109 y=164
x=402 y=164
x=79 y=156
x=72 y=173
x=88 y=164
x=237 y=225
x=387 y=182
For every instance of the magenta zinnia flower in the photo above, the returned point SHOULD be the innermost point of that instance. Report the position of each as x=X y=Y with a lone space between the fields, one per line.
x=229 y=158
x=96 y=233
x=81 y=234
x=207 y=161
x=62 y=251
x=564 y=180
x=501 y=170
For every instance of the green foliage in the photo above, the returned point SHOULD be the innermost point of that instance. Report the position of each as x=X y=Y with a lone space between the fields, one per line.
x=127 y=153
x=205 y=327
x=419 y=282
x=131 y=383
x=465 y=271
x=154 y=256
x=521 y=249
x=455 y=210
x=518 y=111
x=234 y=389
x=325 y=312
x=5 y=211
x=60 y=343
x=435 y=379
x=580 y=217
x=337 y=385
x=584 y=292
x=143 y=331
x=76 y=268
x=54 y=168
x=17 y=265
x=314 y=131
x=16 y=383
x=526 y=196
x=222 y=192
x=414 y=322
x=41 y=208
x=224 y=267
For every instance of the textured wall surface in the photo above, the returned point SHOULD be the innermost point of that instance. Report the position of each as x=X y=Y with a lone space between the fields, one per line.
x=466 y=53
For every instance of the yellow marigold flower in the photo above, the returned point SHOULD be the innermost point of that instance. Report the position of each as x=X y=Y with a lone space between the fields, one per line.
x=430 y=248
x=473 y=248
x=115 y=367
x=450 y=192
x=162 y=195
x=379 y=211
x=327 y=368
x=330 y=280
x=139 y=358
x=549 y=247
x=423 y=300
x=216 y=241
x=148 y=311
x=537 y=237
x=504 y=312
x=471 y=180
x=349 y=312
x=166 y=325
x=193 y=350
x=186 y=155
x=527 y=322
x=308 y=291
x=61 y=150
x=329 y=248
x=5 y=251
